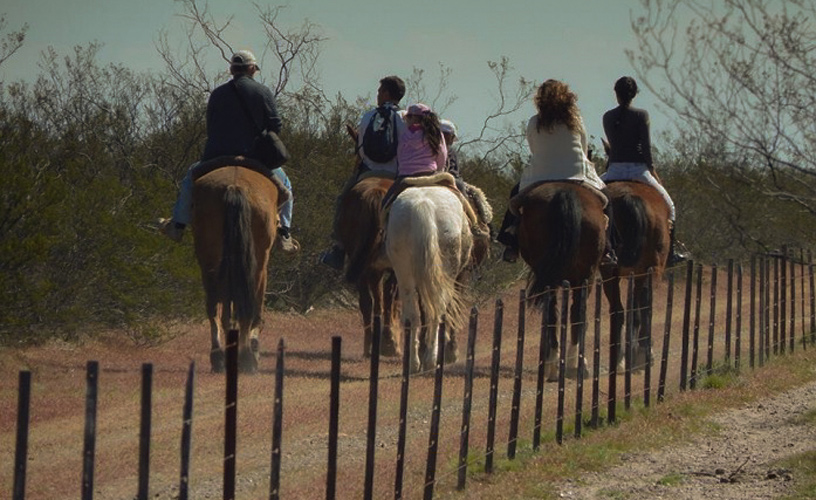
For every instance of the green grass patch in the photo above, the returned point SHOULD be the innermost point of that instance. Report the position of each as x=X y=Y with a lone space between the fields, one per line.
x=803 y=469
x=673 y=479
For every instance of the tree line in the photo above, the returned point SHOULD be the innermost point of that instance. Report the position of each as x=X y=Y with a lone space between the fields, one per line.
x=91 y=155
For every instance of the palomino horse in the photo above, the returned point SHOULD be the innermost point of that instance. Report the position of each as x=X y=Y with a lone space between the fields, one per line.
x=235 y=212
x=361 y=232
x=562 y=235
x=640 y=216
x=428 y=243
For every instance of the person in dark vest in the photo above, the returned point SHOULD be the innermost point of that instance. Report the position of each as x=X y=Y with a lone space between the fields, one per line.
x=630 y=152
x=231 y=132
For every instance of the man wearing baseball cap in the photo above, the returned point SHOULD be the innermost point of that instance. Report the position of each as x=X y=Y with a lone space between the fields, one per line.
x=236 y=111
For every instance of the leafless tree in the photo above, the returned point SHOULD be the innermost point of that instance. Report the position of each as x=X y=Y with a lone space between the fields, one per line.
x=741 y=74
x=12 y=41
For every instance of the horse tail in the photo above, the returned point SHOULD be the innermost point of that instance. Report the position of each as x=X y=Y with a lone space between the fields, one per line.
x=630 y=214
x=436 y=289
x=563 y=224
x=238 y=261
x=368 y=222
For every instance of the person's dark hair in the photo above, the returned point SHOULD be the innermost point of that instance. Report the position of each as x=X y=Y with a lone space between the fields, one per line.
x=626 y=89
x=432 y=131
x=556 y=103
x=394 y=86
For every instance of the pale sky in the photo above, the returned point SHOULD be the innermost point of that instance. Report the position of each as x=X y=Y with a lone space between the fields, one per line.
x=580 y=42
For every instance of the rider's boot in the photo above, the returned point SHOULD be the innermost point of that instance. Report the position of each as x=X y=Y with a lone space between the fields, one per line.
x=677 y=251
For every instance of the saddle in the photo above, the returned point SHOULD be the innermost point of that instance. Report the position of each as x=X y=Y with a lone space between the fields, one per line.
x=475 y=205
x=518 y=201
x=205 y=167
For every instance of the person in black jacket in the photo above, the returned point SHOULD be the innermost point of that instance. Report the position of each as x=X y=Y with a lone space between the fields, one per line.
x=232 y=126
x=630 y=152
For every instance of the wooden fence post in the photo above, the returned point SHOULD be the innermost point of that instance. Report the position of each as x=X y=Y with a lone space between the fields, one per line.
x=21 y=443
x=89 y=448
x=373 y=384
x=543 y=355
x=812 y=299
x=436 y=412
x=664 y=358
x=579 y=384
x=783 y=300
x=231 y=415
x=792 y=329
x=738 y=331
x=629 y=339
x=729 y=311
x=596 y=358
x=684 y=353
x=515 y=408
x=712 y=319
x=695 y=344
x=144 y=432
x=776 y=349
x=277 y=423
x=334 y=417
x=494 y=385
x=187 y=434
x=562 y=365
x=403 y=411
x=752 y=314
x=464 y=431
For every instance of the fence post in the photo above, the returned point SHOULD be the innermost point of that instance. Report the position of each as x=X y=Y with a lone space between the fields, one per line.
x=752 y=314
x=515 y=408
x=596 y=358
x=543 y=354
x=664 y=359
x=89 y=449
x=792 y=329
x=579 y=385
x=231 y=415
x=629 y=338
x=776 y=349
x=21 y=444
x=494 y=385
x=729 y=309
x=144 y=432
x=802 y=293
x=769 y=329
x=562 y=365
x=783 y=299
x=334 y=417
x=812 y=299
x=464 y=432
x=738 y=332
x=433 y=436
x=695 y=346
x=187 y=434
x=712 y=319
x=277 y=424
x=684 y=353
x=403 y=411
x=373 y=384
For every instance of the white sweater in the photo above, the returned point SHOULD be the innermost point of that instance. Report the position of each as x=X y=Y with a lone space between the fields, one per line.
x=558 y=155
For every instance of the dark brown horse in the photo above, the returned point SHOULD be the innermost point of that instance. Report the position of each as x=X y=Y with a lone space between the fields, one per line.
x=361 y=232
x=235 y=217
x=561 y=234
x=640 y=217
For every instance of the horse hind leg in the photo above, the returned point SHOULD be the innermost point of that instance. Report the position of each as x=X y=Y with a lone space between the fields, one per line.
x=247 y=356
x=577 y=331
x=217 y=341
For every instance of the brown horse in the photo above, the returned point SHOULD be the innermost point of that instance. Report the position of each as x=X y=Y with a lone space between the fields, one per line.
x=235 y=216
x=561 y=234
x=640 y=216
x=361 y=232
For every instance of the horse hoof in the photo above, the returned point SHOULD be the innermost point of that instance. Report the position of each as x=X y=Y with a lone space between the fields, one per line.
x=248 y=362
x=389 y=348
x=217 y=361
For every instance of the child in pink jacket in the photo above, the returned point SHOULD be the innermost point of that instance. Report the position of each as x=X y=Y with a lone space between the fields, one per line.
x=421 y=148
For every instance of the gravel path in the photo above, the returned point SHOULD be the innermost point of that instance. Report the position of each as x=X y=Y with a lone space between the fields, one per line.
x=736 y=463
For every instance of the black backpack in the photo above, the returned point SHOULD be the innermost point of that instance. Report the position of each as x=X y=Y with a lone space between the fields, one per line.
x=380 y=136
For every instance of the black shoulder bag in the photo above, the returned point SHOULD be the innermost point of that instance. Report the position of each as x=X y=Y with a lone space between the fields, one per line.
x=268 y=147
